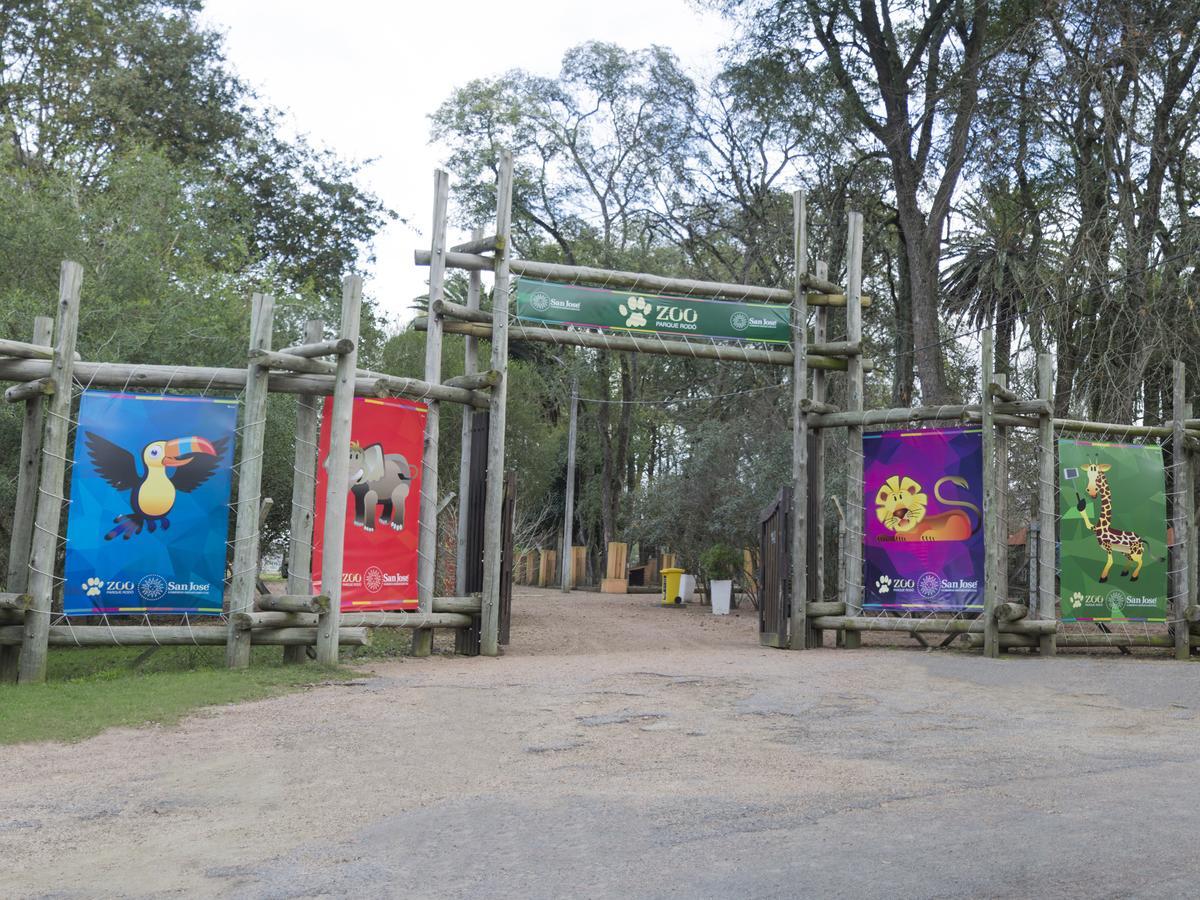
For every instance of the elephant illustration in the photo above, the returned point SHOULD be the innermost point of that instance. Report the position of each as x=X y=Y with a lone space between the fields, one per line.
x=378 y=479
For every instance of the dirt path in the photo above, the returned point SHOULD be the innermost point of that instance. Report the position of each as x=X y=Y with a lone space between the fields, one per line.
x=622 y=749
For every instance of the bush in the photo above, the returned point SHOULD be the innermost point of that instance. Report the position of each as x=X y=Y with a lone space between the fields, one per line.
x=721 y=563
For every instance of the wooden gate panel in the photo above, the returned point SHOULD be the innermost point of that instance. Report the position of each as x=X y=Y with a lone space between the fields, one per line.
x=775 y=571
x=506 y=554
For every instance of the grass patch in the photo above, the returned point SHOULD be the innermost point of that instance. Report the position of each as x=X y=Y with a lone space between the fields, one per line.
x=89 y=690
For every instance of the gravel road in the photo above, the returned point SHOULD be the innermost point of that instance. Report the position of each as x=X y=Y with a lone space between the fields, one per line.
x=620 y=749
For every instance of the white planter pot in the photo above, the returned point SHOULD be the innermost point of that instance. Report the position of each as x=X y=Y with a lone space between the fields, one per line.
x=687 y=587
x=721 y=592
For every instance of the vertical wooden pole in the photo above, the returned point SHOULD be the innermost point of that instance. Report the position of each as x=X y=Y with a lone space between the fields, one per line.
x=1180 y=516
x=568 y=561
x=798 y=627
x=337 y=474
x=854 y=434
x=470 y=367
x=816 y=468
x=493 y=538
x=1047 y=478
x=242 y=585
x=25 y=502
x=1001 y=517
x=43 y=549
x=992 y=528
x=422 y=639
x=1189 y=500
x=304 y=492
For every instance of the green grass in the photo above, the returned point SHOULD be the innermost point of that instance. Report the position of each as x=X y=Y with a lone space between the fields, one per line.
x=89 y=690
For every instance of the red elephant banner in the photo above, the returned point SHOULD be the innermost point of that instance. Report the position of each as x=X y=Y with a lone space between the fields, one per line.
x=380 y=563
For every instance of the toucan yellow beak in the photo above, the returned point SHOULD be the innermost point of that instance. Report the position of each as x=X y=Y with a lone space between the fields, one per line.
x=181 y=447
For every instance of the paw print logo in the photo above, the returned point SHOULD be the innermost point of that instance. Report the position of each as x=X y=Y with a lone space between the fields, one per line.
x=1077 y=600
x=93 y=586
x=637 y=312
x=883 y=584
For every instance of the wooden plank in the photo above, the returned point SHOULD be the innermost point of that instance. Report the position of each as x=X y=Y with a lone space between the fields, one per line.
x=493 y=524
x=1181 y=514
x=43 y=550
x=567 y=578
x=1047 y=481
x=427 y=537
x=29 y=465
x=993 y=528
x=655 y=346
x=798 y=636
x=304 y=490
x=337 y=480
x=854 y=404
x=243 y=584
x=633 y=281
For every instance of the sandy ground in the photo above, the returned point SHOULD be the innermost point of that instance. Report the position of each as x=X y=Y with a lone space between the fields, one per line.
x=619 y=749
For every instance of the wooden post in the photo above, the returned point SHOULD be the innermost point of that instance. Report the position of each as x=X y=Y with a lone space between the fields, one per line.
x=854 y=433
x=1001 y=517
x=30 y=467
x=798 y=626
x=816 y=469
x=43 y=549
x=568 y=557
x=304 y=493
x=1180 y=516
x=470 y=367
x=337 y=474
x=493 y=537
x=1047 y=595
x=991 y=527
x=1189 y=497
x=242 y=586
x=422 y=639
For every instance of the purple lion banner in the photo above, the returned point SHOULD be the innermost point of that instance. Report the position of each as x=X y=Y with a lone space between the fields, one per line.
x=923 y=545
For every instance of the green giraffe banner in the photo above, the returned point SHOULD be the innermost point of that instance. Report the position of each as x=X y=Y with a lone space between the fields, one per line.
x=568 y=304
x=1113 y=532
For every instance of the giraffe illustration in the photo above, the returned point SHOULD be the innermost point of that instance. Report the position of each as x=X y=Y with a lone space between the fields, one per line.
x=1110 y=539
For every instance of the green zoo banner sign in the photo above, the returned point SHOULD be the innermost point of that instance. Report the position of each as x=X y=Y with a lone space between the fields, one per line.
x=565 y=304
x=1113 y=531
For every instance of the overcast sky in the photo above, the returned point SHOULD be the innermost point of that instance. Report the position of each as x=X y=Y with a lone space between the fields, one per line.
x=362 y=77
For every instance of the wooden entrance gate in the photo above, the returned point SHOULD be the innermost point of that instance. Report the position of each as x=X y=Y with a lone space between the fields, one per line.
x=775 y=571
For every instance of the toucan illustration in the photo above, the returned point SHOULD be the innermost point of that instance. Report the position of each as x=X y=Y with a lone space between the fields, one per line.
x=152 y=495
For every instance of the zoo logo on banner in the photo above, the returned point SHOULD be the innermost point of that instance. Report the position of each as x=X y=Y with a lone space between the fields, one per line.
x=923 y=542
x=1113 y=532
x=148 y=520
x=565 y=304
x=379 y=568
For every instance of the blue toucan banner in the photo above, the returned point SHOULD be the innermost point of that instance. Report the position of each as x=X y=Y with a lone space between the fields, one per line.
x=149 y=518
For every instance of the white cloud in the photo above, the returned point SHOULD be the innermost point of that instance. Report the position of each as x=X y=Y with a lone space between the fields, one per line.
x=362 y=76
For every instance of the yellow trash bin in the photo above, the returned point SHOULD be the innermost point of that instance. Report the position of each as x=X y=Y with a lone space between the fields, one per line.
x=670 y=586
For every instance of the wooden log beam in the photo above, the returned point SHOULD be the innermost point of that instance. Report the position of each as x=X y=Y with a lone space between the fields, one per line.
x=272 y=359
x=826 y=608
x=940 y=626
x=1006 y=641
x=415 y=389
x=245 y=621
x=16 y=602
x=475 y=381
x=174 y=635
x=1022 y=408
x=819 y=407
x=26 y=350
x=899 y=416
x=659 y=346
x=489 y=244
x=30 y=390
x=1001 y=392
x=1011 y=612
x=468 y=606
x=415 y=620
x=310 y=349
x=1072 y=639
x=640 y=281
x=295 y=603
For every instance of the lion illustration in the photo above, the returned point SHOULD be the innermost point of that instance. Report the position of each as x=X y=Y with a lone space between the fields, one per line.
x=901 y=506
